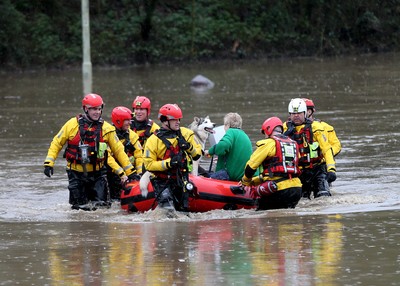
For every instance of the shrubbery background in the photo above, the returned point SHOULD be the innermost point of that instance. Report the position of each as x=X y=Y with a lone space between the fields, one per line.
x=48 y=33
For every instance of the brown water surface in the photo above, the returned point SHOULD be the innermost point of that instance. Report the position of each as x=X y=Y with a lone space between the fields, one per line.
x=351 y=238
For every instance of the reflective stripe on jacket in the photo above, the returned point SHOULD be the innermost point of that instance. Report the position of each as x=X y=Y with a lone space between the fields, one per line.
x=68 y=132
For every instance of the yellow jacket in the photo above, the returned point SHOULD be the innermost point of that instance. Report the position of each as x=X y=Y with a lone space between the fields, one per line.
x=320 y=136
x=70 y=130
x=266 y=148
x=136 y=159
x=332 y=138
x=141 y=133
x=155 y=149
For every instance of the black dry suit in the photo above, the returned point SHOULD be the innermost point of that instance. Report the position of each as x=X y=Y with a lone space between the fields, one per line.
x=172 y=187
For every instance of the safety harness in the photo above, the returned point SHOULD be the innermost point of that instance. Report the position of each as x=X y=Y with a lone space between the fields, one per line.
x=310 y=152
x=90 y=134
x=144 y=127
x=123 y=136
x=286 y=160
x=180 y=175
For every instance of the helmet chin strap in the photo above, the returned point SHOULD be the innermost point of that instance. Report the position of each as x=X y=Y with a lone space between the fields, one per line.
x=88 y=117
x=167 y=125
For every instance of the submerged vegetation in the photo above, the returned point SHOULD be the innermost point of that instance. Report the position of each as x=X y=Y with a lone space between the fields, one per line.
x=48 y=33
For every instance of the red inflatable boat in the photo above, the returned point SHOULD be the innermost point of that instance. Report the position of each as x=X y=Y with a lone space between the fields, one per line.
x=213 y=194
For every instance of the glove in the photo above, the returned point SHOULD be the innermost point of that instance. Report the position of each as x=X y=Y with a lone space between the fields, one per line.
x=133 y=177
x=129 y=146
x=183 y=144
x=330 y=177
x=246 y=181
x=48 y=171
x=175 y=161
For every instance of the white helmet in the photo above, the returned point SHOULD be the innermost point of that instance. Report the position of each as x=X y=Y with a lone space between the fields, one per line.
x=297 y=105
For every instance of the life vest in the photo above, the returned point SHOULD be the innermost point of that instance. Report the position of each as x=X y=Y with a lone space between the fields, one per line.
x=123 y=136
x=89 y=133
x=129 y=149
x=286 y=160
x=310 y=152
x=170 y=152
x=145 y=133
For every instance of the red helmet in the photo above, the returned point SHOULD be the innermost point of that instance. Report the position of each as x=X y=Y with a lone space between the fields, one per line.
x=92 y=100
x=142 y=102
x=119 y=114
x=270 y=124
x=309 y=104
x=169 y=111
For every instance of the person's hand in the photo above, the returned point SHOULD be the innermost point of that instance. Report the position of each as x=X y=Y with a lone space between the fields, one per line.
x=331 y=177
x=175 y=161
x=245 y=181
x=129 y=146
x=183 y=144
x=48 y=171
x=133 y=177
x=123 y=179
x=206 y=153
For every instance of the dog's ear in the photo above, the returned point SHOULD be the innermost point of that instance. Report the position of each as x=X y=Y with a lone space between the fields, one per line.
x=196 y=119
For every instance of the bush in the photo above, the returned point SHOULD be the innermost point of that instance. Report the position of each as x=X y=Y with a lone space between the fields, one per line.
x=48 y=33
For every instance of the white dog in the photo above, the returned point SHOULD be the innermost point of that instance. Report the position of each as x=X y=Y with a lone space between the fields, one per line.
x=202 y=128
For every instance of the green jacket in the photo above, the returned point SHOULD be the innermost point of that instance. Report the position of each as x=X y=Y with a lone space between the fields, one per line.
x=233 y=151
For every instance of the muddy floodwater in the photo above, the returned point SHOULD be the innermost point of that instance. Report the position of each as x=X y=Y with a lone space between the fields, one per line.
x=351 y=238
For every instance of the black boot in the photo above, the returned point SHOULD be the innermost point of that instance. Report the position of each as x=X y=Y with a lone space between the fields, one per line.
x=165 y=200
x=323 y=193
x=84 y=207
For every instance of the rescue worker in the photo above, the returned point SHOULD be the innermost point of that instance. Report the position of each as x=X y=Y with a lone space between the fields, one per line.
x=121 y=117
x=278 y=184
x=330 y=131
x=315 y=150
x=87 y=136
x=167 y=154
x=141 y=123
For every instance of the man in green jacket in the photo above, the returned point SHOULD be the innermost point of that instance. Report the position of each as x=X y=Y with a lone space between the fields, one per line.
x=233 y=150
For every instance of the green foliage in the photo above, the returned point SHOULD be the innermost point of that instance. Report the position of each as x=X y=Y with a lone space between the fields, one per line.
x=123 y=32
x=12 y=23
x=45 y=46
